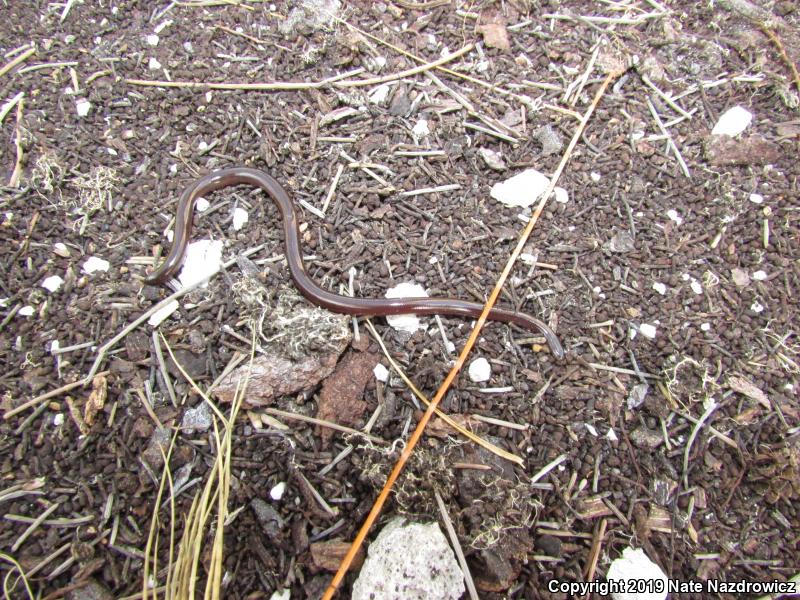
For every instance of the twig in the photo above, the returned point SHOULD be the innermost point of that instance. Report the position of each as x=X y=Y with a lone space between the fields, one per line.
x=442 y=188
x=163 y=367
x=16 y=174
x=473 y=337
x=321 y=423
x=34 y=526
x=103 y=350
x=672 y=104
x=712 y=406
x=782 y=51
x=548 y=467
x=670 y=141
x=492 y=132
x=301 y=85
x=332 y=189
x=19 y=59
x=46 y=396
x=7 y=106
x=594 y=553
x=451 y=533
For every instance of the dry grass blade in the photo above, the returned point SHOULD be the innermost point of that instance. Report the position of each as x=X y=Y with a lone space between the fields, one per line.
x=183 y=573
x=444 y=416
x=17 y=567
x=151 y=546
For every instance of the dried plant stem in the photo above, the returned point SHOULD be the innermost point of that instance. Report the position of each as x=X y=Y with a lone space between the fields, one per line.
x=444 y=416
x=17 y=173
x=412 y=442
x=19 y=59
x=302 y=85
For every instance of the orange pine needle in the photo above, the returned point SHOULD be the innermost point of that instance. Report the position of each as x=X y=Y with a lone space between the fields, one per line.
x=412 y=442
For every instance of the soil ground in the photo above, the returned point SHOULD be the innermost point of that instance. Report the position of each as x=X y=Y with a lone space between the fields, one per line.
x=708 y=261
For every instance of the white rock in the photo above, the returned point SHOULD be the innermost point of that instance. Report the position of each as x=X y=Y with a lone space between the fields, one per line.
x=380 y=94
x=635 y=565
x=95 y=263
x=612 y=435
x=560 y=195
x=757 y=307
x=756 y=198
x=408 y=323
x=203 y=261
x=52 y=283
x=82 y=107
x=276 y=493
x=480 y=370
x=697 y=288
x=58 y=419
x=522 y=189
x=4 y=302
x=705 y=327
x=421 y=129
x=209 y=96
x=759 y=275
x=153 y=64
x=284 y=594
x=61 y=250
x=494 y=160
x=647 y=330
x=591 y=429
x=202 y=146
x=595 y=176
x=202 y=205
x=152 y=39
x=54 y=346
x=158 y=317
x=381 y=372
x=240 y=217
x=674 y=216
x=412 y=561
x=660 y=287
x=25 y=311
x=733 y=121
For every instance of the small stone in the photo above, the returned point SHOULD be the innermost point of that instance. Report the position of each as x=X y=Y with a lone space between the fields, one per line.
x=421 y=129
x=240 y=217
x=647 y=330
x=268 y=517
x=646 y=438
x=380 y=94
x=412 y=561
x=634 y=565
x=621 y=242
x=277 y=491
x=197 y=418
x=756 y=198
x=152 y=39
x=25 y=311
x=757 y=307
x=201 y=205
x=480 y=370
x=697 y=288
x=660 y=288
x=82 y=107
x=60 y=249
x=381 y=373
x=494 y=160
x=521 y=190
x=94 y=263
x=153 y=64
x=674 y=216
x=733 y=122
x=52 y=283
x=407 y=323
x=759 y=275
x=595 y=176
x=705 y=327
x=560 y=195
x=740 y=277
x=203 y=261
x=637 y=395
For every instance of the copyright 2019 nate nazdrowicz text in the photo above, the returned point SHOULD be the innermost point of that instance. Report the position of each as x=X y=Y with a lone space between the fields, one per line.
x=672 y=586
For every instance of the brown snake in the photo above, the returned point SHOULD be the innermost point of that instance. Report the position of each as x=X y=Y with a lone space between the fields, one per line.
x=314 y=293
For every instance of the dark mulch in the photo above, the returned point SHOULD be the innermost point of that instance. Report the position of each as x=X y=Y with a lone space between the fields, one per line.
x=733 y=514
